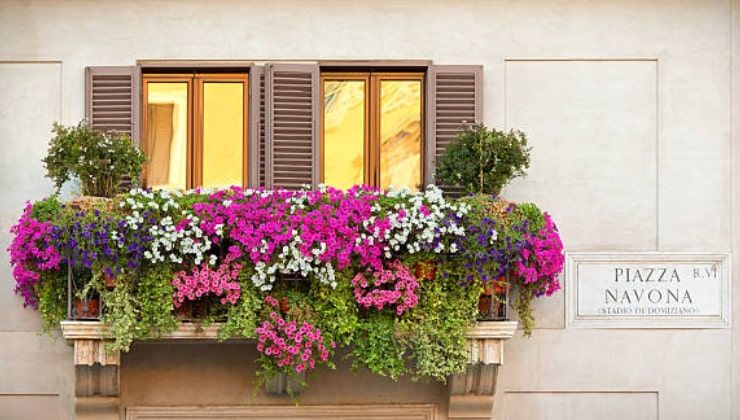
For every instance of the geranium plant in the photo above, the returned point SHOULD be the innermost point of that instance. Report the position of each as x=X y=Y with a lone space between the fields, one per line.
x=99 y=160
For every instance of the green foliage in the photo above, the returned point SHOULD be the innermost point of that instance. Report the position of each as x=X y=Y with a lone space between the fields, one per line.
x=377 y=348
x=533 y=215
x=336 y=309
x=243 y=318
x=138 y=309
x=47 y=210
x=523 y=306
x=52 y=292
x=98 y=160
x=121 y=315
x=482 y=160
x=154 y=302
x=433 y=336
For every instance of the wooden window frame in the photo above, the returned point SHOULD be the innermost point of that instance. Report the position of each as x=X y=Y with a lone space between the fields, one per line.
x=367 y=152
x=167 y=78
x=371 y=157
x=195 y=82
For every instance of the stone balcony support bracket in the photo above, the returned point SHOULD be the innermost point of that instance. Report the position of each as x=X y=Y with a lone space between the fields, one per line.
x=97 y=371
x=472 y=392
x=96 y=368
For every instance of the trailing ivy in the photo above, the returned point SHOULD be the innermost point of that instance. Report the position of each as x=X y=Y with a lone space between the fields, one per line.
x=243 y=318
x=433 y=336
x=376 y=347
x=120 y=315
x=154 y=302
x=52 y=296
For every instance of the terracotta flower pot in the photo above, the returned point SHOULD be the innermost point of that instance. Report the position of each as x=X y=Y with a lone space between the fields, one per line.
x=200 y=309
x=425 y=270
x=87 y=202
x=87 y=308
x=109 y=280
x=184 y=312
x=492 y=304
x=284 y=306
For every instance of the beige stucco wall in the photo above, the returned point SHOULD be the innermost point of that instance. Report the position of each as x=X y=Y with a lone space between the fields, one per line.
x=627 y=103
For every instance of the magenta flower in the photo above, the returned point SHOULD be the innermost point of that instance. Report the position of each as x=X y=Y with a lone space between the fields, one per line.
x=541 y=259
x=31 y=252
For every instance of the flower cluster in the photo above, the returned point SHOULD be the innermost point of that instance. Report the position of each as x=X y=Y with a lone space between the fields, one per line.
x=316 y=233
x=541 y=259
x=98 y=239
x=31 y=252
x=176 y=234
x=221 y=282
x=291 y=346
x=416 y=222
x=206 y=244
x=393 y=286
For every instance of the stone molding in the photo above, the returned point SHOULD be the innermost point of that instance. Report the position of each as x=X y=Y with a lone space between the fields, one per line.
x=94 y=330
x=364 y=411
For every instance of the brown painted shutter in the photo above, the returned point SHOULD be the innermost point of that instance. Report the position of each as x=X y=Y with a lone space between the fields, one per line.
x=291 y=116
x=454 y=98
x=257 y=126
x=112 y=97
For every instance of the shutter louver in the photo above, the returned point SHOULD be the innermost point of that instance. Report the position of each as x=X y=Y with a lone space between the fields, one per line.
x=454 y=98
x=112 y=99
x=112 y=102
x=291 y=96
x=257 y=126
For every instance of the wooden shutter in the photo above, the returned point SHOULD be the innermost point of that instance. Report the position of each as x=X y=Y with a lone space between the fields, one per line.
x=112 y=99
x=454 y=98
x=257 y=126
x=292 y=119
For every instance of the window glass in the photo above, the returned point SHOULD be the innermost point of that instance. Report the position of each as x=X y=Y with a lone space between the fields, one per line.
x=344 y=132
x=223 y=134
x=167 y=135
x=400 y=133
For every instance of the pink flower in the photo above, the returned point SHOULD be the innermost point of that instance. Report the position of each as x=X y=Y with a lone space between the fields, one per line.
x=394 y=286
x=204 y=280
x=278 y=339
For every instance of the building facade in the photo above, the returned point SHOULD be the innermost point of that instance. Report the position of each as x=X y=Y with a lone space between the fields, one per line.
x=632 y=108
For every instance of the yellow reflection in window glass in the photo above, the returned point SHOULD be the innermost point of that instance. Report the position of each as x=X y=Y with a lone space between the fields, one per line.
x=167 y=135
x=344 y=132
x=400 y=133
x=223 y=134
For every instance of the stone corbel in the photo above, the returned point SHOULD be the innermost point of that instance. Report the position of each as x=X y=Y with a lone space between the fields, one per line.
x=96 y=370
x=472 y=392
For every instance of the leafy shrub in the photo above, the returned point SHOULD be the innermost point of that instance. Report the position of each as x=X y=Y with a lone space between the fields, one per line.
x=97 y=159
x=484 y=160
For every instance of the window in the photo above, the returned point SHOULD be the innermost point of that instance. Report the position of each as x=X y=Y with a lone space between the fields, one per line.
x=195 y=130
x=305 y=128
x=371 y=129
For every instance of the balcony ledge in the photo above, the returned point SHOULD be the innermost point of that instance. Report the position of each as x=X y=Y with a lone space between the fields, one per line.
x=471 y=392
